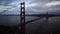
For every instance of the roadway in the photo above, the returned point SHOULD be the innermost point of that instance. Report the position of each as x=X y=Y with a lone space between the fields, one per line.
x=43 y=26
x=39 y=26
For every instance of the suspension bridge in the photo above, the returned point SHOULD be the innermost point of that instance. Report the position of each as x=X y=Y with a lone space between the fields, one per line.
x=23 y=22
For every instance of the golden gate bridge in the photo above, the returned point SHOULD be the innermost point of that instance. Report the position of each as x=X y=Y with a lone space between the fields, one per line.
x=23 y=20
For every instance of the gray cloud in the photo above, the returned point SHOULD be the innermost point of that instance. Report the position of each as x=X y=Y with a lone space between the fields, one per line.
x=34 y=9
x=5 y=2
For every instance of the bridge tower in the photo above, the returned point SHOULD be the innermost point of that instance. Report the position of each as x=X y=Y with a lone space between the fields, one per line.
x=22 y=13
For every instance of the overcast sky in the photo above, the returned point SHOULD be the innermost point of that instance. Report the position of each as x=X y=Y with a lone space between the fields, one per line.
x=32 y=6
